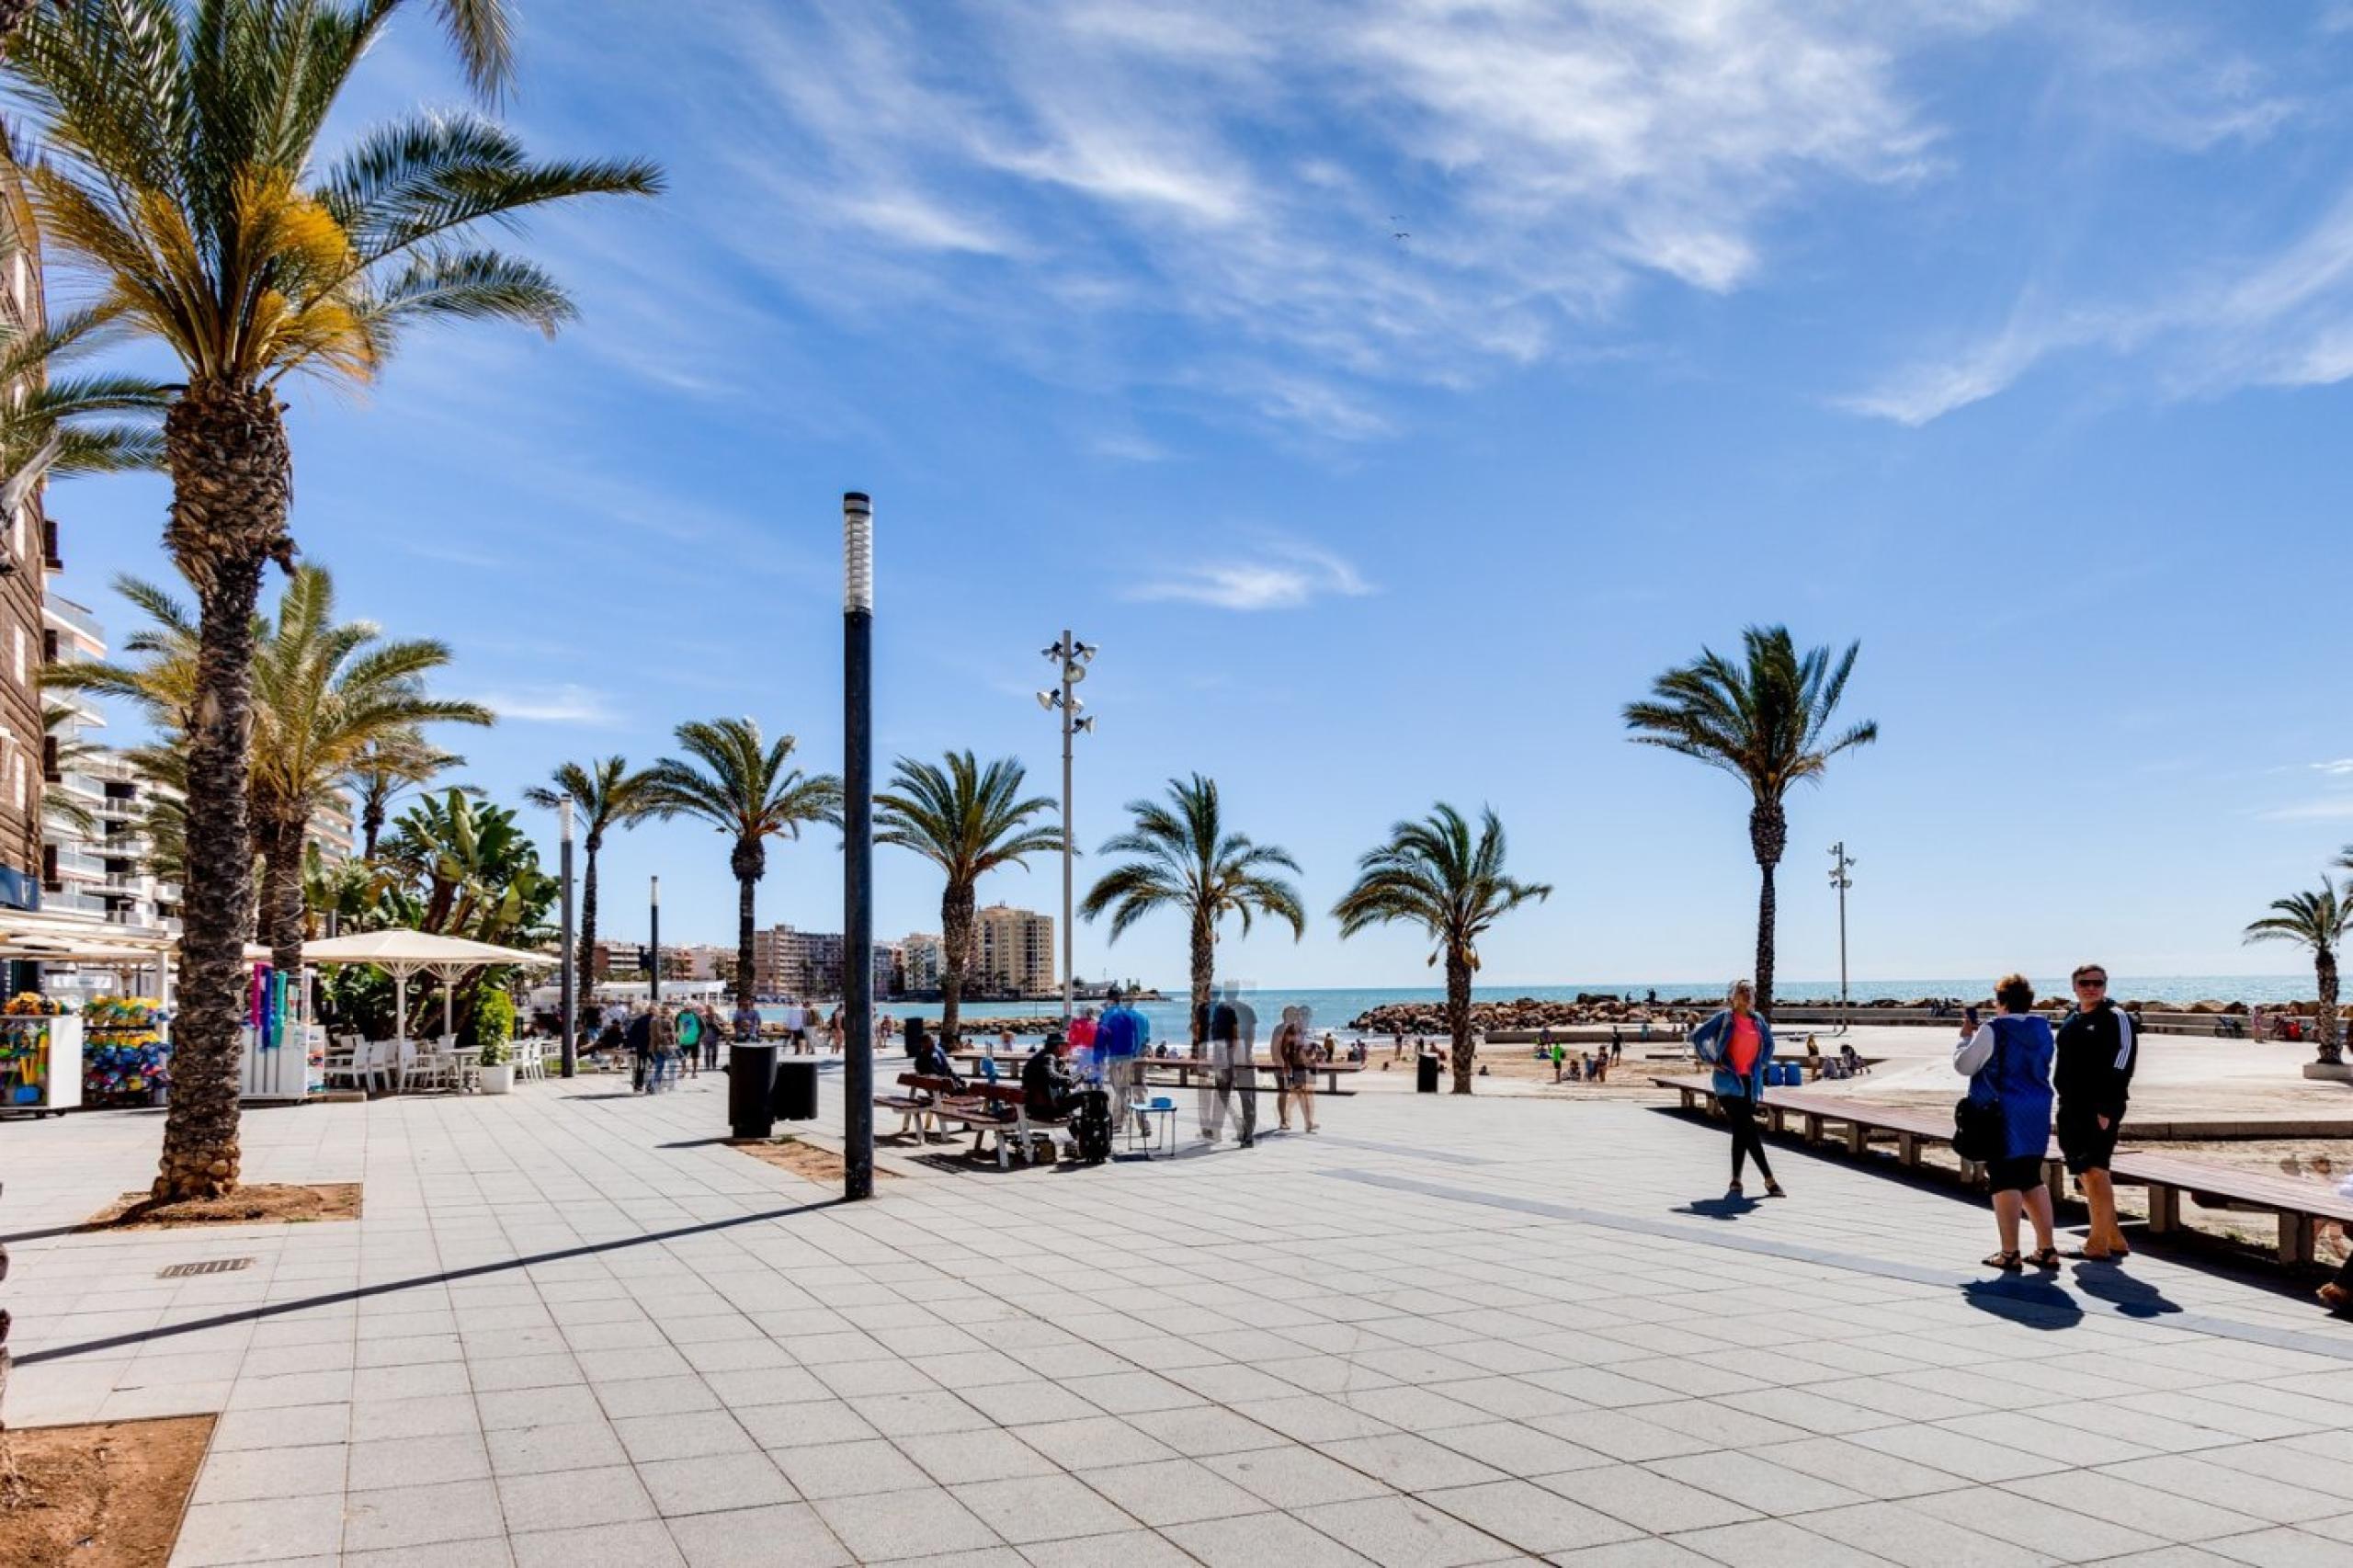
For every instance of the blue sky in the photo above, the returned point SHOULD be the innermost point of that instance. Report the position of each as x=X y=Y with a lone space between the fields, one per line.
x=1392 y=390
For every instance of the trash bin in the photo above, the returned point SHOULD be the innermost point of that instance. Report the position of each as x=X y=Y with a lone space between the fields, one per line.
x=796 y=1090
x=1426 y=1073
x=751 y=1078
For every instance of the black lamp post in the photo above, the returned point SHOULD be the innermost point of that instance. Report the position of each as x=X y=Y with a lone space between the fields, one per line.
x=857 y=834
x=654 y=950
x=569 y=1002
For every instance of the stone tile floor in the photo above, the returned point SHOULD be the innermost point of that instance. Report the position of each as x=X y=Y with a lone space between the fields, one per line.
x=574 y=1329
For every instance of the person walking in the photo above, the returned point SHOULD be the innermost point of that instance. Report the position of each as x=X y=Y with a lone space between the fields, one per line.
x=662 y=1042
x=1083 y=1030
x=1278 y=1046
x=689 y=1034
x=638 y=1035
x=1738 y=1042
x=1120 y=1035
x=747 y=1024
x=2007 y=1062
x=1234 y=1038
x=2094 y=1079
x=1297 y=1066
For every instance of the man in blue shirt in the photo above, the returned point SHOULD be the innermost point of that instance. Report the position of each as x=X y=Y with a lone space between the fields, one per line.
x=1120 y=1037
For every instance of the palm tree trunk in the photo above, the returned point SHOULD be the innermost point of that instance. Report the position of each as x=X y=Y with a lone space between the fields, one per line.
x=230 y=478
x=2331 y=1050
x=283 y=905
x=746 y=983
x=1204 y=976
x=584 y=965
x=1769 y=835
x=1457 y=1018
x=372 y=826
x=955 y=930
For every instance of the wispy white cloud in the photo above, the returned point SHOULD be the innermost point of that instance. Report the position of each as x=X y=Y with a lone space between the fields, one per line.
x=562 y=703
x=1281 y=576
x=2340 y=766
x=2326 y=808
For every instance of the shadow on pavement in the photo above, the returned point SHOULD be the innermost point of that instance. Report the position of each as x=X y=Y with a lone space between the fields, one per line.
x=389 y=1286
x=2035 y=1303
x=2133 y=1298
x=1719 y=1207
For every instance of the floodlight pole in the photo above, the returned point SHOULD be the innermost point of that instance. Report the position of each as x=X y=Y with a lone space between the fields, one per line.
x=569 y=1002
x=857 y=835
x=1840 y=864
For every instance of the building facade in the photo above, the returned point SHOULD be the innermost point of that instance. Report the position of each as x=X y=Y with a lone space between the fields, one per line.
x=785 y=962
x=1017 y=951
x=27 y=549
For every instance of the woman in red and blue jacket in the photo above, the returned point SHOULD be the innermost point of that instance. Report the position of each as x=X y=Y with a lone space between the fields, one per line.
x=1739 y=1043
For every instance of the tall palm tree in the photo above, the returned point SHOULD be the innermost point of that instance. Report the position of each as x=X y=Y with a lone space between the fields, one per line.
x=2318 y=921
x=748 y=790
x=1187 y=860
x=1432 y=874
x=184 y=171
x=967 y=821
x=1766 y=722
x=607 y=795
x=324 y=694
x=383 y=769
x=479 y=29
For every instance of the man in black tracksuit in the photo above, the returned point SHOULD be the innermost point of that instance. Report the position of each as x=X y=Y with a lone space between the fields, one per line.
x=2098 y=1050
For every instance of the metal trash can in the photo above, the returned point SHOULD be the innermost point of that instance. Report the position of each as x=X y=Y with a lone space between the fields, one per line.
x=751 y=1090
x=1426 y=1074
x=796 y=1090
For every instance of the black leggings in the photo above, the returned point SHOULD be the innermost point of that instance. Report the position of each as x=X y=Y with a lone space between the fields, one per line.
x=1740 y=1111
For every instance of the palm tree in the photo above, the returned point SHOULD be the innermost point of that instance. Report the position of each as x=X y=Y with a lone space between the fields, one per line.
x=184 y=170
x=1187 y=860
x=478 y=28
x=1767 y=722
x=968 y=821
x=385 y=767
x=324 y=694
x=748 y=790
x=2317 y=921
x=607 y=795
x=1431 y=874
x=59 y=812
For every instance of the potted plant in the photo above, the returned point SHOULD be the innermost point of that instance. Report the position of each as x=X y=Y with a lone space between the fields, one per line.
x=497 y=1068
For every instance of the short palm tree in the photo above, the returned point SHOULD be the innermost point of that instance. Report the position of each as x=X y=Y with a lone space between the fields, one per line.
x=2316 y=922
x=968 y=821
x=1433 y=874
x=385 y=768
x=607 y=795
x=748 y=790
x=1187 y=860
x=183 y=171
x=326 y=693
x=1765 y=720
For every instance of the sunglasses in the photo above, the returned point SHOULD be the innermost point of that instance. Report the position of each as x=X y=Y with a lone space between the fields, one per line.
x=2089 y=983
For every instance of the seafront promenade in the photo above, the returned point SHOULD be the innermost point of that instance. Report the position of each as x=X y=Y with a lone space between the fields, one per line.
x=572 y=1327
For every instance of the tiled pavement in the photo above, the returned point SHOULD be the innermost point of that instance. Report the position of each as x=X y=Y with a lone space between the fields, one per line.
x=574 y=1330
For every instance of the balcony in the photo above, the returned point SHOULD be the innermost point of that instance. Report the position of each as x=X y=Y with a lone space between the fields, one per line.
x=67 y=612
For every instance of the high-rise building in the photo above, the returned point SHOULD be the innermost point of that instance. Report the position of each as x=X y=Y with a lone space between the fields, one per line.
x=1017 y=951
x=785 y=962
x=923 y=961
x=27 y=548
x=96 y=860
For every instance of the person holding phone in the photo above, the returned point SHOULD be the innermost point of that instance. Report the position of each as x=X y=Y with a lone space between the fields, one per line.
x=1739 y=1042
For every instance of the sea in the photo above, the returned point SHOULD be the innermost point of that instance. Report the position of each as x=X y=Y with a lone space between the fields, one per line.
x=1333 y=1008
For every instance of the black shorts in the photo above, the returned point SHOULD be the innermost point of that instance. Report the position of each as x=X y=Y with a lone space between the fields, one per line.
x=2023 y=1174
x=2087 y=1145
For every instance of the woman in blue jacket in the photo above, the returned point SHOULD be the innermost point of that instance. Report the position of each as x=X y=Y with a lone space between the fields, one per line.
x=1739 y=1042
x=2008 y=1060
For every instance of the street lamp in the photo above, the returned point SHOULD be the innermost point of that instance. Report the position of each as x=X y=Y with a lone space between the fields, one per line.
x=857 y=844
x=1840 y=864
x=1072 y=657
x=654 y=951
x=568 y=1001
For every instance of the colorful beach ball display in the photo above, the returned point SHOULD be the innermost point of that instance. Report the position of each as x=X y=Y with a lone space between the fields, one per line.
x=124 y=1050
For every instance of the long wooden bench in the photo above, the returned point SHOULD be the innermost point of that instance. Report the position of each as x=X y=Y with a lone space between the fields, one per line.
x=2299 y=1206
x=1184 y=1069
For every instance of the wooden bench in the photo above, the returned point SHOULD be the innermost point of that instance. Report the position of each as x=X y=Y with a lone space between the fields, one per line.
x=2299 y=1206
x=1185 y=1069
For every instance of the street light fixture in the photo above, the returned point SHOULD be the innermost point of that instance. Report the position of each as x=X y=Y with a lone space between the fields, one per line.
x=1074 y=656
x=857 y=844
x=1840 y=864
x=568 y=1000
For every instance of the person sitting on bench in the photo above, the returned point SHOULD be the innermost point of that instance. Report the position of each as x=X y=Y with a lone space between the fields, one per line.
x=1047 y=1089
x=928 y=1056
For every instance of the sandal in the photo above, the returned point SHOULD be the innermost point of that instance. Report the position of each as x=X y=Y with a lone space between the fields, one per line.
x=1773 y=1190
x=1734 y=1191
x=2047 y=1258
x=2007 y=1262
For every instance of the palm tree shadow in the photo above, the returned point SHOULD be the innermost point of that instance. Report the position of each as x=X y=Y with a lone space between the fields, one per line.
x=2133 y=1298
x=1719 y=1207
x=2033 y=1302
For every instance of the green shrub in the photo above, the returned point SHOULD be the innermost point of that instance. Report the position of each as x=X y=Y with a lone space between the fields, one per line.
x=493 y=1021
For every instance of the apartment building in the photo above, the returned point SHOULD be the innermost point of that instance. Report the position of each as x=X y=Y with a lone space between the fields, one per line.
x=27 y=545
x=1017 y=951
x=785 y=962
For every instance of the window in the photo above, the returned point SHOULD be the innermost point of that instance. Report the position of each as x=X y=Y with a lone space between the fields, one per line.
x=48 y=645
x=49 y=881
x=49 y=759
x=49 y=540
x=20 y=653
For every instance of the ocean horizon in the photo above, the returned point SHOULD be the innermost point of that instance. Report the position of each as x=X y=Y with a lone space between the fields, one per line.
x=1332 y=1007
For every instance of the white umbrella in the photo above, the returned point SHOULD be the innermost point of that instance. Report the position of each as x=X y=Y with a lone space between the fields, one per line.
x=400 y=953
